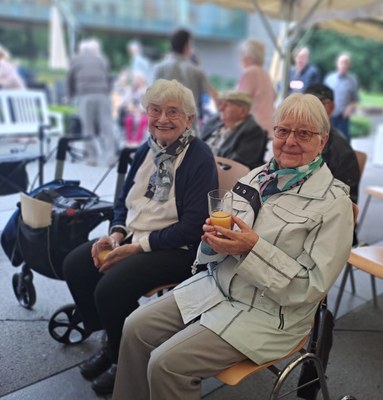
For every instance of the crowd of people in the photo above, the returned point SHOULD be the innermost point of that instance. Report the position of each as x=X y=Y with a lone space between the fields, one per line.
x=258 y=285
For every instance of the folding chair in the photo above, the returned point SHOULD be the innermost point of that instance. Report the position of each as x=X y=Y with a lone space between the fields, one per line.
x=348 y=272
x=238 y=372
x=368 y=259
x=229 y=171
x=372 y=191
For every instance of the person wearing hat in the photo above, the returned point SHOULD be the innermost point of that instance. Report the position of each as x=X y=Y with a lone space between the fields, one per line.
x=338 y=153
x=233 y=133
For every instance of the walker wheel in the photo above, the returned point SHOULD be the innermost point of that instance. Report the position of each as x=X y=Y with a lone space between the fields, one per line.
x=24 y=289
x=66 y=326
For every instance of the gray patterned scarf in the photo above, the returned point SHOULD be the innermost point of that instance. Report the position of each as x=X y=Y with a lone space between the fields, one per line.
x=161 y=181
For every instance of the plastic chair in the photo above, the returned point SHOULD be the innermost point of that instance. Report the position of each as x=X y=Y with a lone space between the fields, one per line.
x=160 y=290
x=372 y=191
x=368 y=259
x=361 y=159
x=348 y=272
x=243 y=369
x=229 y=171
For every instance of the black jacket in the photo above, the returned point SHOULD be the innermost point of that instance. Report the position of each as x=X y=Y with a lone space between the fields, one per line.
x=247 y=144
x=341 y=159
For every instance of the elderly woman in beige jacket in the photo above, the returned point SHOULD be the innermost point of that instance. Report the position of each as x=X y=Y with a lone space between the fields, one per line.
x=293 y=227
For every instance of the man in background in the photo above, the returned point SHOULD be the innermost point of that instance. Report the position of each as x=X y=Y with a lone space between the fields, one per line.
x=89 y=82
x=178 y=65
x=303 y=73
x=234 y=133
x=346 y=94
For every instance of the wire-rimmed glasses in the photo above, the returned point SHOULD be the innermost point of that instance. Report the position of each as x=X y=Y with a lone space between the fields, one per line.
x=171 y=113
x=301 y=135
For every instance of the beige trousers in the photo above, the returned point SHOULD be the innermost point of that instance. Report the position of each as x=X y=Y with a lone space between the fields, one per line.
x=161 y=358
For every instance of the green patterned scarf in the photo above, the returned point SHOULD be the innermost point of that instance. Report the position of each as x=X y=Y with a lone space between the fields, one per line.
x=273 y=180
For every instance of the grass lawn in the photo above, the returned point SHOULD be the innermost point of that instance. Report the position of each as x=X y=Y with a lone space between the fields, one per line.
x=371 y=99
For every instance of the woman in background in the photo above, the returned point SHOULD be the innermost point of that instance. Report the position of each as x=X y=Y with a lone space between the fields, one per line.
x=257 y=83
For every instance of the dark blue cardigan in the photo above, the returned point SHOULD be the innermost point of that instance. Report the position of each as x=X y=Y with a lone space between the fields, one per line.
x=194 y=178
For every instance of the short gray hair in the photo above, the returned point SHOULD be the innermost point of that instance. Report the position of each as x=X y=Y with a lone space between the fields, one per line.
x=255 y=50
x=305 y=108
x=164 y=90
x=91 y=44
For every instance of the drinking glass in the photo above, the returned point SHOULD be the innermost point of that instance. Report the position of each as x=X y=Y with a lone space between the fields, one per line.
x=104 y=249
x=221 y=207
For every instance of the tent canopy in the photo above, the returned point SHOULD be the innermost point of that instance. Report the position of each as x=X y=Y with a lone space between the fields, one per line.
x=368 y=28
x=293 y=10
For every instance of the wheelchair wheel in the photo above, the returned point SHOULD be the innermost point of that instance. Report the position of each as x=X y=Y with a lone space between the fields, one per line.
x=66 y=326
x=24 y=289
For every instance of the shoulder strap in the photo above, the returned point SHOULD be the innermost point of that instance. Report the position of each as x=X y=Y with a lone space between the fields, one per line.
x=250 y=194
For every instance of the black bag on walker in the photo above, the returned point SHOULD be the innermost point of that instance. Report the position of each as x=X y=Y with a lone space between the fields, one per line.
x=76 y=211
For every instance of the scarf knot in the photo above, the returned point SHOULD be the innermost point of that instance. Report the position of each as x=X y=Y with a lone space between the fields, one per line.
x=273 y=180
x=161 y=181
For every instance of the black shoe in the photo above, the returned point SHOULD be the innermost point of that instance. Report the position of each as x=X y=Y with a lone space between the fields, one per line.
x=104 y=384
x=96 y=365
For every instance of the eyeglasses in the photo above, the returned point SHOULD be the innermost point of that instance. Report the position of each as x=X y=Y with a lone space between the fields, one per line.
x=171 y=113
x=301 y=135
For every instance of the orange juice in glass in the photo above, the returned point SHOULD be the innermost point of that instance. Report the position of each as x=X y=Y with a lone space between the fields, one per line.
x=102 y=255
x=221 y=207
x=104 y=248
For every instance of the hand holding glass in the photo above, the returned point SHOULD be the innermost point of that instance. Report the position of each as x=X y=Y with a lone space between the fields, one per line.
x=221 y=207
x=103 y=249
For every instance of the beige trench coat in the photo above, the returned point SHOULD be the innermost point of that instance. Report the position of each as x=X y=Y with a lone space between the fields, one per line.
x=264 y=303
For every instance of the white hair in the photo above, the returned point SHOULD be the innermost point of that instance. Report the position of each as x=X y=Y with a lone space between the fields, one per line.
x=92 y=45
x=164 y=90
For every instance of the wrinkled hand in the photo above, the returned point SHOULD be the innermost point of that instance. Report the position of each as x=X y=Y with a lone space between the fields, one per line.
x=107 y=243
x=348 y=111
x=230 y=242
x=119 y=253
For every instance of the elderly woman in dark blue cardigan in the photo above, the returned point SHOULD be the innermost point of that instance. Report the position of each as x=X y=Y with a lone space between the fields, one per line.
x=156 y=228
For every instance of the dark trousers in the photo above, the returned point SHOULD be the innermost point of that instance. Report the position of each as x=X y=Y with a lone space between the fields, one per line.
x=104 y=300
x=343 y=125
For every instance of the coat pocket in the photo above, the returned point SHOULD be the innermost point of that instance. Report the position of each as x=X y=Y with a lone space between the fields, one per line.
x=288 y=216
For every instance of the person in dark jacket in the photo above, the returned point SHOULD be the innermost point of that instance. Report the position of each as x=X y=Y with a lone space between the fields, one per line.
x=234 y=133
x=156 y=229
x=303 y=73
x=338 y=153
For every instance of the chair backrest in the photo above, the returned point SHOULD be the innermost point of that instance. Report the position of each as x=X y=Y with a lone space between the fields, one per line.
x=229 y=171
x=24 y=112
x=355 y=211
x=362 y=158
